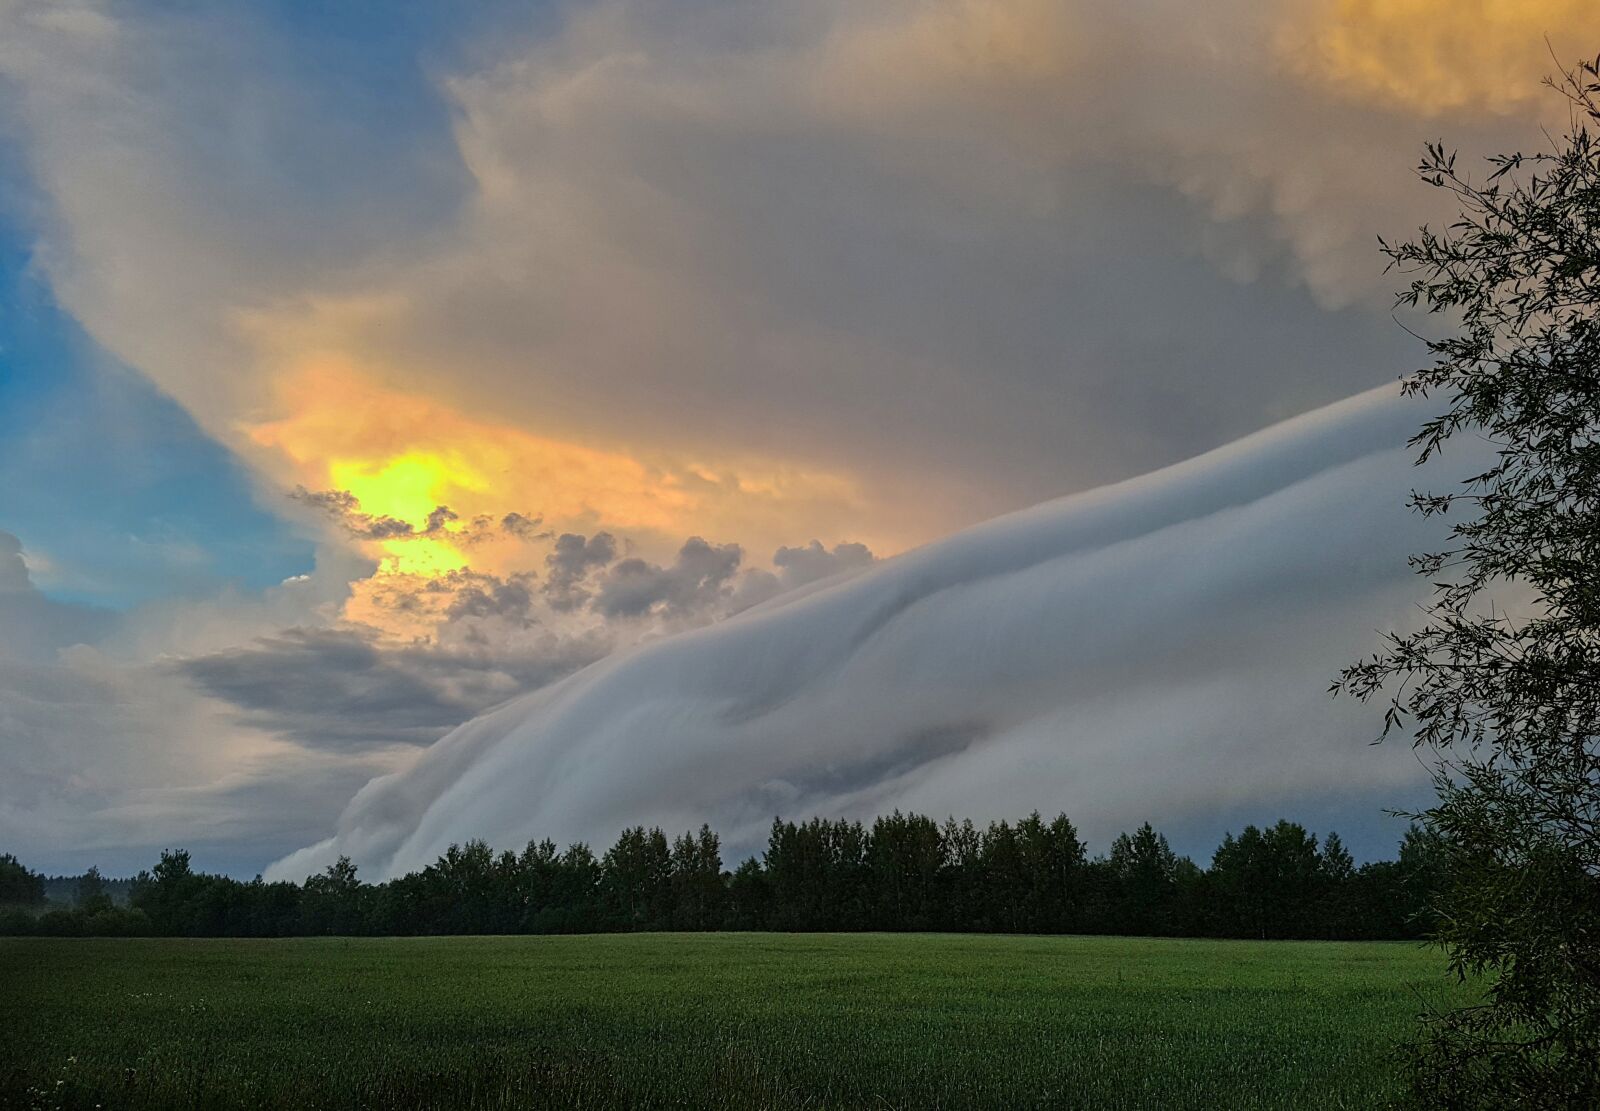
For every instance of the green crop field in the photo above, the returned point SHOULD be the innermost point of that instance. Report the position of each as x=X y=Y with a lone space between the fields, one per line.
x=708 y=1020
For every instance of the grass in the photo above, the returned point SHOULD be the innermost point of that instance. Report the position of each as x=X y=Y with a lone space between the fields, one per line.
x=707 y=1020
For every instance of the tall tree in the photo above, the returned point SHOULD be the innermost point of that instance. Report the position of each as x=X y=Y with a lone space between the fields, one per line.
x=699 y=895
x=332 y=902
x=1502 y=680
x=168 y=892
x=91 y=894
x=636 y=876
x=905 y=854
x=1146 y=873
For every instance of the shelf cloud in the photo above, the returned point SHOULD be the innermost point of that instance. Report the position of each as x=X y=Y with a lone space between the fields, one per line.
x=1157 y=647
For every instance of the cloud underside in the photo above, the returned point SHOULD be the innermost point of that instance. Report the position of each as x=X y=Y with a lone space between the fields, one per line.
x=350 y=687
x=1162 y=647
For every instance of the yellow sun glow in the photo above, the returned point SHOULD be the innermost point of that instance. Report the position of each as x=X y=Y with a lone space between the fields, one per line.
x=401 y=455
x=406 y=487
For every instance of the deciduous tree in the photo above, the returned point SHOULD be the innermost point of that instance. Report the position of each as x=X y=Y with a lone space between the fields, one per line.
x=1502 y=681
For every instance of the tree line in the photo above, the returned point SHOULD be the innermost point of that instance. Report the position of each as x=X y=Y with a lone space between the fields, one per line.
x=903 y=872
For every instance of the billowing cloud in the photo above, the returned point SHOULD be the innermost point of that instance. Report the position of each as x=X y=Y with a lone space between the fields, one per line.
x=480 y=639
x=699 y=578
x=570 y=562
x=1160 y=647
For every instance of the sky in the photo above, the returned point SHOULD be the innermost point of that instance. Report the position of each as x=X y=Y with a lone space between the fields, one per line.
x=363 y=367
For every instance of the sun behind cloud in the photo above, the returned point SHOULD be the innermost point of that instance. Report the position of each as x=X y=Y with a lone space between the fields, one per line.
x=410 y=488
x=406 y=487
x=438 y=483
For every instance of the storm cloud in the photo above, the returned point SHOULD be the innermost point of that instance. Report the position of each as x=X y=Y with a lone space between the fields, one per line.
x=1161 y=647
x=560 y=287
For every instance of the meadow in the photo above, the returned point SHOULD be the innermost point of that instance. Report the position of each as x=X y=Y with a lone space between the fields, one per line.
x=708 y=1020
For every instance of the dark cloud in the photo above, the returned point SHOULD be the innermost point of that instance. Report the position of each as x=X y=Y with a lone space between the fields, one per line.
x=511 y=598
x=569 y=564
x=345 y=509
x=523 y=527
x=798 y=566
x=350 y=688
x=346 y=688
x=698 y=580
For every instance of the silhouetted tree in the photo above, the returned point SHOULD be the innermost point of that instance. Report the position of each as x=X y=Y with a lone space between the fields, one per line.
x=332 y=902
x=699 y=893
x=1146 y=872
x=961 y=888
x=904 y=872
x=636 y=878
x=749 y=897
x=19 y=886
x=904 y=854
x=1265 y=882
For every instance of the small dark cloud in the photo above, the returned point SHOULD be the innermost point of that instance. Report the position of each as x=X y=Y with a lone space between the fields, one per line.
x=754 y=587
x=345 y=508
x=521 y=526
x=699 y=579
x=570 y=562
x=509 y=598
x=798 y=566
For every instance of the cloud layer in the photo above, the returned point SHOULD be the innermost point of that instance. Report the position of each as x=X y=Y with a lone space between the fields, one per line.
x=1156 y=649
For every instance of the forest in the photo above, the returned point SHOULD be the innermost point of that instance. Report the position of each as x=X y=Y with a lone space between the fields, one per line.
x=904 y=872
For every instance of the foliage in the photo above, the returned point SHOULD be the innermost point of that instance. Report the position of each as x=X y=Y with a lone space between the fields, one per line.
x=92 y=897
x=19 y=887
x=1502 y=680
x=712 y=1021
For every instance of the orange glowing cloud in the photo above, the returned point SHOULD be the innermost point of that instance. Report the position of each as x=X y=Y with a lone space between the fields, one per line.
x=1434 y=56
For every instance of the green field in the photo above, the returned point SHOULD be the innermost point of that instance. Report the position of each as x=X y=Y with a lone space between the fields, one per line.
x=707 y=1020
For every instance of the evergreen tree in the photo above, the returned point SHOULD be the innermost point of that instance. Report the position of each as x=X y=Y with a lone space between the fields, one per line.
x=1146 y=873
x=91 y=894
